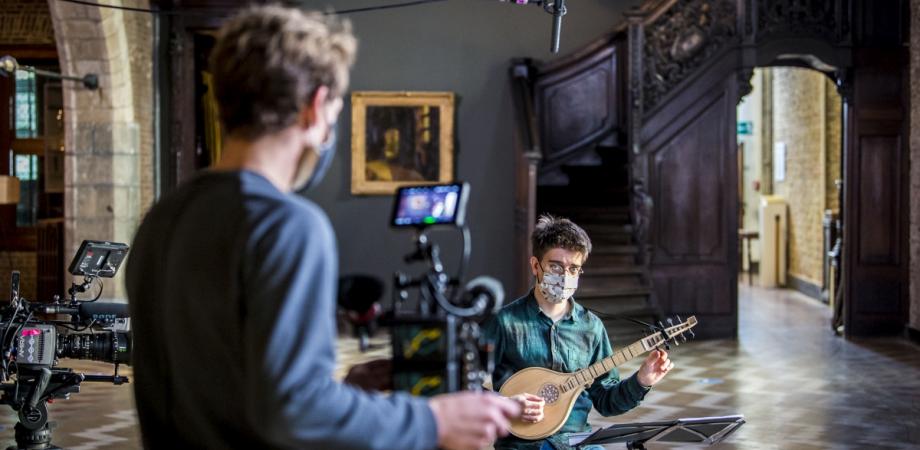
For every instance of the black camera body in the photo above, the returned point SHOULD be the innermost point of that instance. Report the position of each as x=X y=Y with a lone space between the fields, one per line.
x=33 y=337
x=437 y=343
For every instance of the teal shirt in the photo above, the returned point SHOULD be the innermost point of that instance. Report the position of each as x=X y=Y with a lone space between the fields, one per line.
x=525 y=337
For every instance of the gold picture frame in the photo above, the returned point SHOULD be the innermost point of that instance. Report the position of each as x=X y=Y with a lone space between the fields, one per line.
x=401 y=139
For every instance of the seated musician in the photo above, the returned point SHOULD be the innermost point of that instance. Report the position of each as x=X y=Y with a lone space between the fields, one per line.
x=547 y=328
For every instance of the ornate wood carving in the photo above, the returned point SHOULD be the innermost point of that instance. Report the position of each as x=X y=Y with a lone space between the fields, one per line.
x=744 y=82
x=681 y=40
x=829 y=19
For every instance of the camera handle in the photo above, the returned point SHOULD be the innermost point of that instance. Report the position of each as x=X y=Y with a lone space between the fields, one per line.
x=80 y=288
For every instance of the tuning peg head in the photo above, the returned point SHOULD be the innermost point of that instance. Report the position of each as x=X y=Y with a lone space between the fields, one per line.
x=670 y=321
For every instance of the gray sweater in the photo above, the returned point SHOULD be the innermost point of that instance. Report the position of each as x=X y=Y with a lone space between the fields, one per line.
x=232 y=288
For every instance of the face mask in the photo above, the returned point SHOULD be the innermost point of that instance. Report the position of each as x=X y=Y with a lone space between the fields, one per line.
x=325 y=153
x=558 y=288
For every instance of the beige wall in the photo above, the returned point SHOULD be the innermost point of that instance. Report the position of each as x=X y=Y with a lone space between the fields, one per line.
x=915 y=166
x=806 y=117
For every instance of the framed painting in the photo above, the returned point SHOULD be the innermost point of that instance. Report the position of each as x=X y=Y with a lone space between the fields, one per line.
x=400 y=139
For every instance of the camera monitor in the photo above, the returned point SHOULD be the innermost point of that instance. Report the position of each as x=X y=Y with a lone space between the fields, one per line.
x=421 y=206
x=98 y=259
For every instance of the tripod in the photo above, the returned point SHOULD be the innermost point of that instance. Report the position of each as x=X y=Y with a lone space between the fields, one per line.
x=30 y=394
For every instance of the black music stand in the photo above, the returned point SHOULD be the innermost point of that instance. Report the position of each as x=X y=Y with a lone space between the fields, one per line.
x=701 y=430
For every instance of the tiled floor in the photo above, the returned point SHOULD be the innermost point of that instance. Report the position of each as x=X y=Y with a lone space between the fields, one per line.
x=798 y=385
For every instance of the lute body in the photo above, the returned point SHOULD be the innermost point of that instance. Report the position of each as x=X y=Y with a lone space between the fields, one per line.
x=545 y=383
x=560 y=390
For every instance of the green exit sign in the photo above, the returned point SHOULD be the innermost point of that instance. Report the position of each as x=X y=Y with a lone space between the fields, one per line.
x=746 y=127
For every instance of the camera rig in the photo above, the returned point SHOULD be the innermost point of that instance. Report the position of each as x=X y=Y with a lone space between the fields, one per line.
x=33 y=339
x=437 y=345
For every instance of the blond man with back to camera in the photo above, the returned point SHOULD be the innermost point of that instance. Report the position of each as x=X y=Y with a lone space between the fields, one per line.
x=232 y=278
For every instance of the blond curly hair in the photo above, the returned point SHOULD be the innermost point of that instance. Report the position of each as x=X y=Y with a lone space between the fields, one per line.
x=269 y=61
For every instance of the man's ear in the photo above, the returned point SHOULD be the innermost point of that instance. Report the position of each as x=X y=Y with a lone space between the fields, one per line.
x=534 y=265
x=313 y=108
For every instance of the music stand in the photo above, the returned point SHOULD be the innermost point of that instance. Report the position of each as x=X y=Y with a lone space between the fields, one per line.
x=702 y=430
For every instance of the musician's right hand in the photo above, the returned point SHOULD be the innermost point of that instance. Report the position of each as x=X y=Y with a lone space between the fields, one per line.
x=472 y=420
x=532 y=407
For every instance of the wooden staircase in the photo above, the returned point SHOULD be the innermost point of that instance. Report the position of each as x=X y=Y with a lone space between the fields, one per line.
x=616 y=284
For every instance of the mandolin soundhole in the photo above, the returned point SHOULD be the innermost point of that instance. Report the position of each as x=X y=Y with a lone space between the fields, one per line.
x=549 y=392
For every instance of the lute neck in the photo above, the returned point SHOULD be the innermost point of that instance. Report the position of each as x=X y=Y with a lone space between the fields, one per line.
x=587 y=375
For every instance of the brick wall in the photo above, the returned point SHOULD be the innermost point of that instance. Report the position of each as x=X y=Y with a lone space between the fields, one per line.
x=799 y=121
x=25 y=22
x=833 y=136
x=915 y=166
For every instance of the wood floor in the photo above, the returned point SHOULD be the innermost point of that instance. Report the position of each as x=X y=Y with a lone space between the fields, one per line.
x=798 y=385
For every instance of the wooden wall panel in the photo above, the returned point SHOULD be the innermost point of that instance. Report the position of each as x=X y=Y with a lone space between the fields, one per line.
x=879 y=160
x=688 y=189
x=690 y=152
x=577 y=104
x=875 y=216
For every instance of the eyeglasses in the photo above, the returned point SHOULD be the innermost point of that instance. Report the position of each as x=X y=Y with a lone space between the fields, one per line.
x=559 y=269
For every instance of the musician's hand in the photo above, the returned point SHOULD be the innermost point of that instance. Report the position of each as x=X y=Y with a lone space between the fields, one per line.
x=374 y=375
x=472 y=420
x=655 y=367
x=532 y=407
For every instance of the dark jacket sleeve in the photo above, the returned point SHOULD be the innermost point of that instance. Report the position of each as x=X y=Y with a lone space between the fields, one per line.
x=609 y=394
x=290 y=280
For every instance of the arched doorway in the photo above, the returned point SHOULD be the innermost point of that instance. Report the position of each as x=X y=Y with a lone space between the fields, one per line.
x=790 y=183
x=690 y=62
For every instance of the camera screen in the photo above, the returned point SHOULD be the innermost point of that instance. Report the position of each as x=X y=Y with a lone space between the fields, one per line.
x=430 y=205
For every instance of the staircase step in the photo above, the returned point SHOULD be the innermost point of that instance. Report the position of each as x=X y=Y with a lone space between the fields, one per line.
x=613 y=271
x=611 y=239
x=615 y=250
x=604 y=229
x=613 y=294
x=612 y=284
x=588 y=159
x=590 y=209
x=606 y=283
x=613 y=313
x=612 y=259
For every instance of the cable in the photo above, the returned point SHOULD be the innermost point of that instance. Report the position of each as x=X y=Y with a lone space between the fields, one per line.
x=99 y=294
x=464 y=264
x=186 y=12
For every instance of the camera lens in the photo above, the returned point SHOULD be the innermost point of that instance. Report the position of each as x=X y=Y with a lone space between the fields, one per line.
x=112 y=346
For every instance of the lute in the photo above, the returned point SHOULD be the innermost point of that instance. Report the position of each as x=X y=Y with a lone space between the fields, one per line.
x=560 y=390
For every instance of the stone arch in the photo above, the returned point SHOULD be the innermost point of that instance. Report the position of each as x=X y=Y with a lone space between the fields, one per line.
x=104 y=128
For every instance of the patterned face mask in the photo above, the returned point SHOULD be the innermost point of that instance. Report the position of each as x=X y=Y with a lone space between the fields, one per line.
x=558 y=288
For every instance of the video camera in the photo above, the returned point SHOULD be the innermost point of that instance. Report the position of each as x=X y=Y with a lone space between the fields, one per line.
x=437 y=346
x=34 y=338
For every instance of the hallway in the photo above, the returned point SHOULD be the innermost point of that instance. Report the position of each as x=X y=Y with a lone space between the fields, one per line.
x=798 y=385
